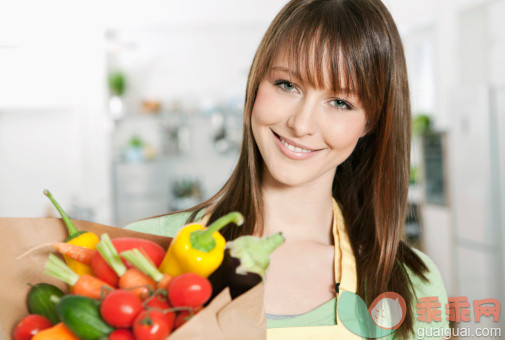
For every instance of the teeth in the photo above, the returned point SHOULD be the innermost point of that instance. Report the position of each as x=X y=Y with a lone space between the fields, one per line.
x=294 y=148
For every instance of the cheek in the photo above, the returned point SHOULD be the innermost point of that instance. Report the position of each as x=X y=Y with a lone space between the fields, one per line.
x=344 y=135
x=266 y=110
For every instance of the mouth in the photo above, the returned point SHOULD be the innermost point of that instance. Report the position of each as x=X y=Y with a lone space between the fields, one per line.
x=294 y=146
x=294 y=150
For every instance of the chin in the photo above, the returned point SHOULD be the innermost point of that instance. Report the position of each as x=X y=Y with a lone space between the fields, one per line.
x=289 y=178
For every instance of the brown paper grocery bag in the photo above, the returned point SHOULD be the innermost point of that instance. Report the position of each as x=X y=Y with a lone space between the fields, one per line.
x=226 y=319
x=223 y=318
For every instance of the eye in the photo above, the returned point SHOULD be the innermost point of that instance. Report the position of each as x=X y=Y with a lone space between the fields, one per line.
x=341 y=104
x=285 y=85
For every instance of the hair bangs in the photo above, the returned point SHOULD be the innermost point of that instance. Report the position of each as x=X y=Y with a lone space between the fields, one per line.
x=309 y=47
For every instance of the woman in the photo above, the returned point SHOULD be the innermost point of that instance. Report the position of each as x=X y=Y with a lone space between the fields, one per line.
x=325 y=159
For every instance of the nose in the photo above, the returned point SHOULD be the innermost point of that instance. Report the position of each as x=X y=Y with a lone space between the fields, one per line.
x=303 y=118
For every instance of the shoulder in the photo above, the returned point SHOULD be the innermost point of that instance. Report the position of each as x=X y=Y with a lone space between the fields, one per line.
x=434 y=289
x=167 y=225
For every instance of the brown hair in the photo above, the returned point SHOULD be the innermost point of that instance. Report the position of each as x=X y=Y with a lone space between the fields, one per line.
x=366 y=56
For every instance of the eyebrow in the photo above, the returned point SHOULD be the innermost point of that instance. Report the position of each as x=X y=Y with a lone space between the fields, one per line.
x=285 y=69
x=296 y=75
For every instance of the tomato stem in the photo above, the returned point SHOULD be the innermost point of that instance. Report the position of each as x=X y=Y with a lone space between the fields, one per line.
x=159 y=291
x=147 y=319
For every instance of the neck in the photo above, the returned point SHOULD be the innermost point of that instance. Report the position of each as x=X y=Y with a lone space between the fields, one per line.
x=301 y=213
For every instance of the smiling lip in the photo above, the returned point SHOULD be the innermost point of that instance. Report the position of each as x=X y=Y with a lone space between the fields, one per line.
x=296 y=155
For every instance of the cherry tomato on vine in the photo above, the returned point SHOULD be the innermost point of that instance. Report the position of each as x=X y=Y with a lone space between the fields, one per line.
x=184 y=316
x=153 y=325
x=158 y=301
x=120 y=307
x=121 y=334
x=29 y=326
x=190 y=290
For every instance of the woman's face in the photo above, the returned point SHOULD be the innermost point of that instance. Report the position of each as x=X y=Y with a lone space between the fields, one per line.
x=303 y=133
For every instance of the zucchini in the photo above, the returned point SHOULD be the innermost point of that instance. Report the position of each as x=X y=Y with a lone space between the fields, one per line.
x=82 y=316
x=39 y=301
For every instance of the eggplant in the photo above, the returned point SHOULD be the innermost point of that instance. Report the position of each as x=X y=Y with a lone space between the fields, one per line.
x=244 y=265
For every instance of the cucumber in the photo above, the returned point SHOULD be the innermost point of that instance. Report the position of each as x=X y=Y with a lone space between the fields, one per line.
x=82 y=316
x=39 y=301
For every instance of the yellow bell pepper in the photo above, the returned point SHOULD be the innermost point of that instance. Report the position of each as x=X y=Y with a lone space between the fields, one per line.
x=76 y=238
x=196 y=249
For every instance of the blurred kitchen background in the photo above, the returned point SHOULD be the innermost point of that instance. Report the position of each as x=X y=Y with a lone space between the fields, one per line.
x=126 y=110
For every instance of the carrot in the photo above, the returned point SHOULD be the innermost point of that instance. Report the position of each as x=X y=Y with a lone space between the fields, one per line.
x=135 y=257
x=85 y=285
x=165 y=282
x=131 y=279
x=137 y=282
x=90 y=286
x=77 y=253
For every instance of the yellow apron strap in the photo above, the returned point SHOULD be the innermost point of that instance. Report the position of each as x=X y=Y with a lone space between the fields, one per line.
x=345 y=263
x=337 y=221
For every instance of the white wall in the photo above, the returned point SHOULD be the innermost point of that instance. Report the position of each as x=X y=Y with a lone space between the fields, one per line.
x=187 y=62
x=53 y=86
x=52 y=115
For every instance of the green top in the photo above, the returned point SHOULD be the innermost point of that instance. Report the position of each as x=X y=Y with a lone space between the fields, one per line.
x=324 y=315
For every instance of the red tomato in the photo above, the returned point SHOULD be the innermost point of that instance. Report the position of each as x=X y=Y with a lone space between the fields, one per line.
x=121 y=334
x=184 y=316
x=29 y=326
x=158 y=301
x=120 y=307
x=102 y=270
x=190 y=290
x=153 y=325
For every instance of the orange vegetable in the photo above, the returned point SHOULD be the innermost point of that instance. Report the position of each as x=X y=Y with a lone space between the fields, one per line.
x=57 y=332
x=165 y=281
x=90 y=286
x=85 y=285
x=76 y=253
x=137 y=282
x=143 y=263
